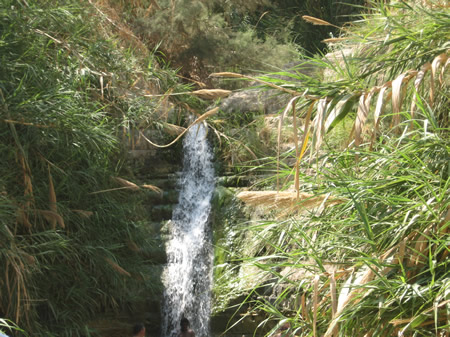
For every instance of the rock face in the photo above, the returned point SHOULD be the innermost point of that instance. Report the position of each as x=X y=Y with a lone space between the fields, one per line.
x=254 y=100
x=266 y=101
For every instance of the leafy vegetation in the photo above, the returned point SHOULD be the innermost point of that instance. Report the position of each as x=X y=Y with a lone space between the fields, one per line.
x=355 y=175
x=75 y=243
x=357 y=244
x=201 y=36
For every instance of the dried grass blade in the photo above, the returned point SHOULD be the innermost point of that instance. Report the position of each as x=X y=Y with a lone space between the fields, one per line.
x=297 y=154
x=153 y=188
x=133 y=246
x=52 y=198
x=127 y=184
x=52 y=217
x=316 y=21
x=315 y=302
x=379 y=108
x=306 y=132
x=333 y=293
x=101 y=87
x=172 y=129
x=441 y=76
x=397 y=98
x=198 y=120
x=28 y=190
x=211 y=94
x=363 y=279
x=118 y=268
x=335 y=40
x=438 y=60
x=285 y=200
x=304 y=310
x=434 y=65
x=280 y=124
x=226 y=74
x=361 y=117
x=22 y=217
x=399 y=86
x=333 y=300
x=319 y=128
x=419 y=79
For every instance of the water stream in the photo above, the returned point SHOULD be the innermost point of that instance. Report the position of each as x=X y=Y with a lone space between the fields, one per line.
x=187 y=276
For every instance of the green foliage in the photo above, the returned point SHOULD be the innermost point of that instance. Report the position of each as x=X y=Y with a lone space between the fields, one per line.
x=72 y=246
x=201 y=36
x=392 y=222
x=382 y=246
x=282 y=20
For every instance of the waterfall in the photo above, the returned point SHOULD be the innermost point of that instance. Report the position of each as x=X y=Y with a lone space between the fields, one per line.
x=188 y=274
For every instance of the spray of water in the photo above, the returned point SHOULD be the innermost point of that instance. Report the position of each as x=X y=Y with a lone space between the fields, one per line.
x=187 y=276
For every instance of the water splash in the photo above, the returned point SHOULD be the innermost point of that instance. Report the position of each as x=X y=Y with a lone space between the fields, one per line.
x=187 y=276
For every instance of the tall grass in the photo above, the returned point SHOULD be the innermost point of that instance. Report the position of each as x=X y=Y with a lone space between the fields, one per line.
x=67 y=252
x=385 y=247
x=376 y=263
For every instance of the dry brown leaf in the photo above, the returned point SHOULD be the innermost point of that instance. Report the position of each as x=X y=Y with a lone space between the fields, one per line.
x=334 y=40
x=438 y=60
x=52 y=218
x=173 y=129
x=315 y=301
x=361 y=118
x=211 y=94
x=127 y=184
x=333 y=299
x=52 y=199
x=22 y=217
x=133 y=246
x=286 y=201
x=297 y=153
x=153 y=188
x=319 y=126
x=198 y=120
x=226 y=74
x=444 y=67
x=316 y=21
x=118 y=268
x=365 y=278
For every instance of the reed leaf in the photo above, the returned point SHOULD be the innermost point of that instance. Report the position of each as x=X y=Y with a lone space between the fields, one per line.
x=280 y=124
x=153 y=188
x=198 y=120
x=211 y=94
x=52 y=199
x=126 y=184
x=315 y=304
x=52 y=217
x=117 y=268
x=226 y=74
x=419 y=79
x=361 y=118
x=319 y=128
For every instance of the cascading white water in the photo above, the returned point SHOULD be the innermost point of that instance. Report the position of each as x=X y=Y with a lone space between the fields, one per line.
x=187 y=276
